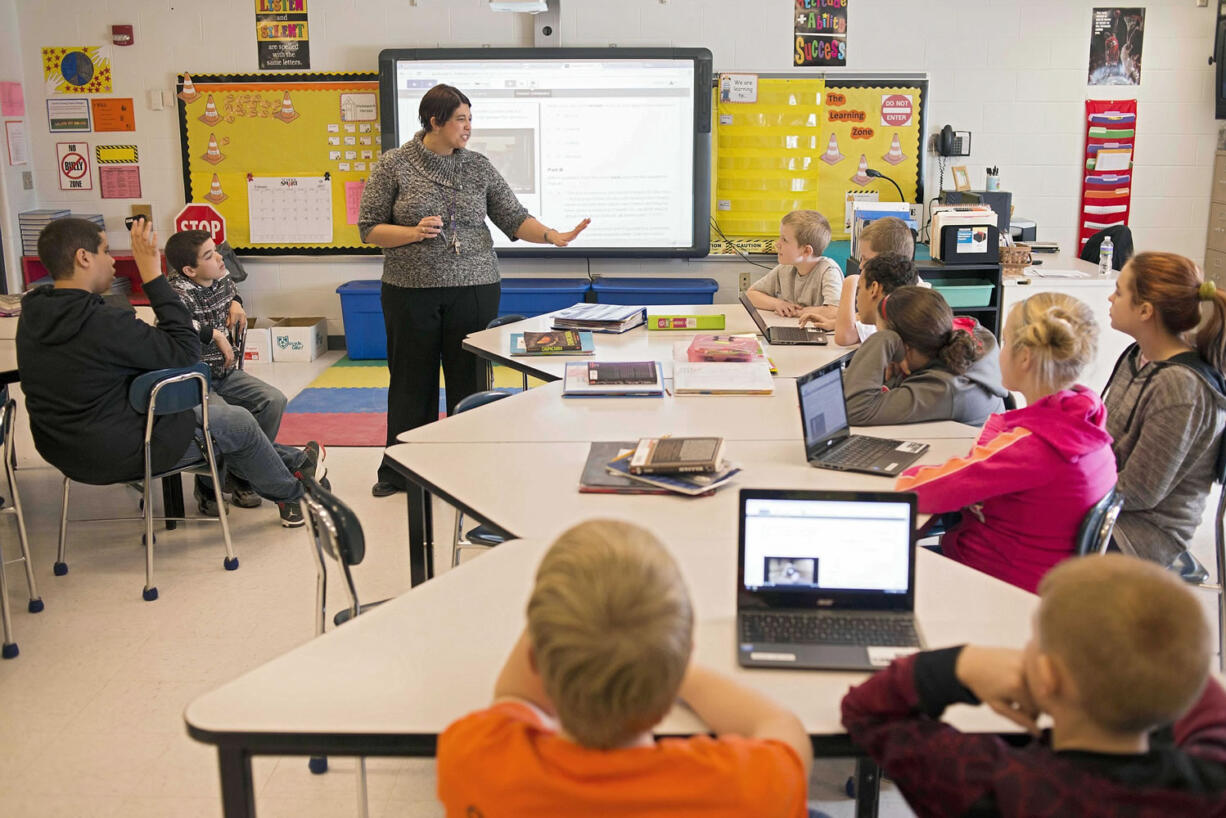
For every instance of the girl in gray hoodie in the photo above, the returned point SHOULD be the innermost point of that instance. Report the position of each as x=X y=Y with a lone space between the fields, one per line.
x=923 y=365
x=1166 y=407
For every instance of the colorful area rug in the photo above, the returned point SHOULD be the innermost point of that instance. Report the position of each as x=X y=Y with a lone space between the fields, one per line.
x=347 y=405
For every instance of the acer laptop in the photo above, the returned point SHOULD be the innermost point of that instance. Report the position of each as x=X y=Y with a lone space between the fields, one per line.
x=825 y=579
x=829 y=443
x=783 y=335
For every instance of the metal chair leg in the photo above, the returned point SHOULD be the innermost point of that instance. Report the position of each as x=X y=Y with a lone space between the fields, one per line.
x=363 y=808
x=455 y=538
x=151 y=592
x=1219 y=543
x=36 y=602
x=61 y=565
x=9 y=649
x=230 y=563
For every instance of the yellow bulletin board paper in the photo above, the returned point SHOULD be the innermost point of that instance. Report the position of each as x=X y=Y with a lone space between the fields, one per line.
x=238 y=128
x=802 y=146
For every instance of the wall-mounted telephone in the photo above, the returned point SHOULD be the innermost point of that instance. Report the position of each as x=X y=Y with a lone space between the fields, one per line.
x=953 y=143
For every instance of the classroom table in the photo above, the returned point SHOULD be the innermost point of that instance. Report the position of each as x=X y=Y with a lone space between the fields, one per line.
x=541 y=416
x=641 y=344
x=389 y=682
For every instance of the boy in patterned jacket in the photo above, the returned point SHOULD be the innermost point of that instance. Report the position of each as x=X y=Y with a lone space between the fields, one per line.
x=198 y=274
x=1119 y=659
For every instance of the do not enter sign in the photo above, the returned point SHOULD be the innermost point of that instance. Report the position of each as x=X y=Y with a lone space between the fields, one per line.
x=201 y=216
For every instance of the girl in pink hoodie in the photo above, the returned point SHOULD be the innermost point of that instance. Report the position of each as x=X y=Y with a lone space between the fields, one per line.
x=1034 y=472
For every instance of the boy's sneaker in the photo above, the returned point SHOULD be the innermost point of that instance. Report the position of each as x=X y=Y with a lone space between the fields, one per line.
x=291 y=514
x=242 y=494
x=206 y=499
x=316 y=464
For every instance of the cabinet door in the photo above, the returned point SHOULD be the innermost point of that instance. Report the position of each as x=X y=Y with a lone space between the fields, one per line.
x=1217 y=227
x=1219 y=178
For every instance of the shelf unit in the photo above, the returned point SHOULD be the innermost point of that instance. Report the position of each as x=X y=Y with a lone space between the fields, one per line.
x=125 y=266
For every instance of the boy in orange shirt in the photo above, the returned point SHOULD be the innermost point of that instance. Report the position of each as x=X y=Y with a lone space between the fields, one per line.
x=605 y=656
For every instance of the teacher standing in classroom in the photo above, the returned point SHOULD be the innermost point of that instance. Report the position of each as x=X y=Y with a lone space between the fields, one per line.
x=425 y=204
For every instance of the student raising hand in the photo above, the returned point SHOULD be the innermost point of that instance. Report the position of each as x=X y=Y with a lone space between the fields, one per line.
x=145 y=250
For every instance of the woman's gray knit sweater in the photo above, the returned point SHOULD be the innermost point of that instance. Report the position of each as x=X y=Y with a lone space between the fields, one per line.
x=412 y=182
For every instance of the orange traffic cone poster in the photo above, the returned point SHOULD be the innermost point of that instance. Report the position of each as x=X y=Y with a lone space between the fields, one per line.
x=895 y=155
x=832 y=155
x=215 y=195
x=861 y=178
x=287 y=112
x=189 y=93
x=213 y=155
x=210 y=117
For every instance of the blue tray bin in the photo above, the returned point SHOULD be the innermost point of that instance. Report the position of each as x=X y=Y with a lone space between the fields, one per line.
x=655 y=291
x=534 y=296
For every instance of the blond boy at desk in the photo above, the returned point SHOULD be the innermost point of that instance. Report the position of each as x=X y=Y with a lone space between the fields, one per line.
x=605 y=656
x=1119 y=659
x=856 y=317
x=803 y=278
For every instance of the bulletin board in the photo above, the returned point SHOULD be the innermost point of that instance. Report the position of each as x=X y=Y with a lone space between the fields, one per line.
x=283 y=157
x=804 y=143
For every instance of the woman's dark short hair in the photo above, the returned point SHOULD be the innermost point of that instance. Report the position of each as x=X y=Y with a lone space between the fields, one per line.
x=440 y=103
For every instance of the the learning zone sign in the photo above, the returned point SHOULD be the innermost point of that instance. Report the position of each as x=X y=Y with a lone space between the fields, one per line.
x=73 y=163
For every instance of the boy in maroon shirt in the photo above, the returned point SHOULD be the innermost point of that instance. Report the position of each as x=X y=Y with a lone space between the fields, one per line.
x=1119 y=660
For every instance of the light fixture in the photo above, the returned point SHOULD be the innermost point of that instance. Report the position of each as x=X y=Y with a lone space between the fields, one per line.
x=522 y=6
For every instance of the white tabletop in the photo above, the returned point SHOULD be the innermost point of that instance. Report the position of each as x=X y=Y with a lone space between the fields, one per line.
x=641 y=344
x=532 y=489
x=422 y=660
x=542 y=414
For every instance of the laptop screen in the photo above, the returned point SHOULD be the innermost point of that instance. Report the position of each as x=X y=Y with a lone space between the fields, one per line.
x=823 y=412
x=753 y=313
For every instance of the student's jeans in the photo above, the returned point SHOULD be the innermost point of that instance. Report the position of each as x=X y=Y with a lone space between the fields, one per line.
x=266 y=403
x=246 y=452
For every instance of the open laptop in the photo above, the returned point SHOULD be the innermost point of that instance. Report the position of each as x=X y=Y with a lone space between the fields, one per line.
x=784 y=335
x=826 y=579
x=829 y=443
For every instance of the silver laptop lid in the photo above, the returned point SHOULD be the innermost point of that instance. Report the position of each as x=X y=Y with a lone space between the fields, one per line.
x=823 y=409
x=826 y=550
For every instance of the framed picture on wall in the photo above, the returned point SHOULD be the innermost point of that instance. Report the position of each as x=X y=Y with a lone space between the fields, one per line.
x=962 y=180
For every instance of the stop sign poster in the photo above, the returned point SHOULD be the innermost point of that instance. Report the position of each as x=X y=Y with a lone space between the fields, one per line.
x=201 y=216
x=73 y=163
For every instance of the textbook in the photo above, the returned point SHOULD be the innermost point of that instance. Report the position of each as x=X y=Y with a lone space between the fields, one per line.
x=587 y=345
x=723 y=378
x=556 y=341
x=692 y=485
x=597 y=479
x=600 y=317
x=677 y=455
x=630 y=379
x=675 y=322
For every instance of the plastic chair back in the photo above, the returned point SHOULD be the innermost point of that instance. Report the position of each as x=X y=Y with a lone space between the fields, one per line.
x=1095 y=530
x=179 y=390
x=504 y=319
x=1121 y=245
x=480 y=399
x=334 y=525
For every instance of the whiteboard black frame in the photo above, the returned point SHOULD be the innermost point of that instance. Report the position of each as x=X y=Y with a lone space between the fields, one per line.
x=700 y=233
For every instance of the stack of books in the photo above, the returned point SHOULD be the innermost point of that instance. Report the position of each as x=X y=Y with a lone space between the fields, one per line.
x=32 y=223
x=692 y=466
x=600 y=317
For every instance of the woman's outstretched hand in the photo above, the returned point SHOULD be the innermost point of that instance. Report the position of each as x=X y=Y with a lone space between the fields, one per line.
x=562 y=239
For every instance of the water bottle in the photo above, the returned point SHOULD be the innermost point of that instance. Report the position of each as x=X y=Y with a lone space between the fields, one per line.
x=1105 y=254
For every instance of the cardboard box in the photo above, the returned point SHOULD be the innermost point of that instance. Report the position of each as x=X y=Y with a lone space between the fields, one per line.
x=299 y=339
x=258 y=349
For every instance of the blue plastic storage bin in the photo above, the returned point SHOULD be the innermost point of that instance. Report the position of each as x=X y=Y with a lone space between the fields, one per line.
x=365 y=336
x=653 y=291
x=534 y=296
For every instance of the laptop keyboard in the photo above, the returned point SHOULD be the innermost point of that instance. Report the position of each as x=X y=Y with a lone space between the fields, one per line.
x=796 y=334
x=828 y=629
x=858 y=452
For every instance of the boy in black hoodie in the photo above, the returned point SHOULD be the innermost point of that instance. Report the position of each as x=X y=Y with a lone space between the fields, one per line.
x=77 y=356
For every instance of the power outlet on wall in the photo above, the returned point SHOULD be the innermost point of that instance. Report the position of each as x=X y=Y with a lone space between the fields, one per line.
x=746 y=281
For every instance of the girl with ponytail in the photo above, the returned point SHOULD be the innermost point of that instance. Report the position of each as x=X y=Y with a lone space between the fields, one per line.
x=923 y=365
x=1166 y=403
x=1034 y=472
